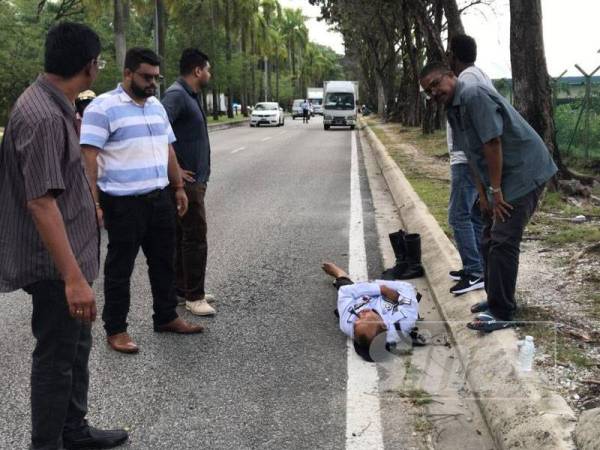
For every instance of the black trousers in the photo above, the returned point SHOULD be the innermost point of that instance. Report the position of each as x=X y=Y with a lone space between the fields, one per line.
x=501 y=242
x=59 y=370
x=132 y=222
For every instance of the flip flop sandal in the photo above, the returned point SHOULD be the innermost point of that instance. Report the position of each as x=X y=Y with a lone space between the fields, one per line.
x=487 y=323
x=480 y=307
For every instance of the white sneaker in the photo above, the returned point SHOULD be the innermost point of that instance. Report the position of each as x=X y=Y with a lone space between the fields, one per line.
x=200 y=308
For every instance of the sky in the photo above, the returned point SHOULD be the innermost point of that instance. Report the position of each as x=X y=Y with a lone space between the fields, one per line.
x=570 y=34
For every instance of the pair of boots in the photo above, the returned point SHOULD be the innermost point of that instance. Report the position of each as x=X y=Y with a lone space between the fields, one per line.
x=407 y=249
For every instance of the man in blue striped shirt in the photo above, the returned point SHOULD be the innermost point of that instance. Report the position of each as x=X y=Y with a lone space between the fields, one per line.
x=126 y=140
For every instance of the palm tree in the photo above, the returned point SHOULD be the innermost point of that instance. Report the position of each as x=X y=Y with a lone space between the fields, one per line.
x=295 y=34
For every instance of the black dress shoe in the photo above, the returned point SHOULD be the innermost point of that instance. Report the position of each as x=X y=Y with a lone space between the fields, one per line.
x=90 y=437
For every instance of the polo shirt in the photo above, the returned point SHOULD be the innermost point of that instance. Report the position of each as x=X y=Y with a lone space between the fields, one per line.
x=477 y=115
x=189 y=125
x=471 y=75
x=133 y=140
x=352 y=298
x=39 y=155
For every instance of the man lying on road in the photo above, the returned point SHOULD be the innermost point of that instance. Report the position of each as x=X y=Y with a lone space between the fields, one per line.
x=369 y=309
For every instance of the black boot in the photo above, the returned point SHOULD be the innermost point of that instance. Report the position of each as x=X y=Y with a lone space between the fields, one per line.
x=410 y=266
x=398 y=244
x=413 y=250
x=399 y=247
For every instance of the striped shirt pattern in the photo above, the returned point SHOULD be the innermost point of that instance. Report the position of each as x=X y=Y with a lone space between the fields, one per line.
x=133 y=141
x=40 y=154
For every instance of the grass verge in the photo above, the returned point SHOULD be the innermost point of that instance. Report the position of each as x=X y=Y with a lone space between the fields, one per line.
x=225 y=119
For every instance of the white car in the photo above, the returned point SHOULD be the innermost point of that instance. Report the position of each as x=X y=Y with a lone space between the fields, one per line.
x=267 y=113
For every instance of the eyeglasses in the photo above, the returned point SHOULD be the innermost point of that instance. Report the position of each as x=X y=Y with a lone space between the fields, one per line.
x=434 y=84
x=149 y=77
x=100 y=63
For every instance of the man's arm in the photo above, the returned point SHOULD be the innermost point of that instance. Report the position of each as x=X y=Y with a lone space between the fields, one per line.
x=90 y=160
x=492 y=152
x=176 y=181
x=51 y=227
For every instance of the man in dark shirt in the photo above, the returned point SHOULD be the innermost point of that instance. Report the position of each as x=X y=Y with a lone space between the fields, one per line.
x=512 y=165
x=50 y=240
x=192 y=147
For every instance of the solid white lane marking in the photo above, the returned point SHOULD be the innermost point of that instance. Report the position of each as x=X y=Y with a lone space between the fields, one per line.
x=238 y=150
x=363 y=417
x=266 y=139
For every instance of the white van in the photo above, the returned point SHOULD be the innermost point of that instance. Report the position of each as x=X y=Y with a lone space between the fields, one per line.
x=339 y=106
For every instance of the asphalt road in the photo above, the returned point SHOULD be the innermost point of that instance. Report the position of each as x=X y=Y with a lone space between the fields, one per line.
x=271 y=371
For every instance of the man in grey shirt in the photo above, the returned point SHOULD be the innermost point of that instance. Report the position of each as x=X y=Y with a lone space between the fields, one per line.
x=50 y=240
x=463 y=212
x=513 y=166
x=182 y=103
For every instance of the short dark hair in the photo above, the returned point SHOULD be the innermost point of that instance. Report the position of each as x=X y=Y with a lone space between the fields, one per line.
x=136 y=56
x=464 y=48
x=362 y=346
x=190 y=59
x=69 y=48
x=435 y=66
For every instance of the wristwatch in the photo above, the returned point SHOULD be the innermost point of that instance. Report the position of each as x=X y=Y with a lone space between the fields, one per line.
x=493 y=190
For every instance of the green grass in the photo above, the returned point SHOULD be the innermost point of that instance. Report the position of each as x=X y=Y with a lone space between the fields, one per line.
x=435 y=193
x=225 y=119
x=545 y=335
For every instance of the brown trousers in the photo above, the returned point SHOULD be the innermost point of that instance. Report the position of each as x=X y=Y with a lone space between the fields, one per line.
x=191 y=244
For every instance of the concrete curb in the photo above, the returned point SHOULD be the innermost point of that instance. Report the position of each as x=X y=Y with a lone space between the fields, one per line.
x=521 y=412
x=226 y=126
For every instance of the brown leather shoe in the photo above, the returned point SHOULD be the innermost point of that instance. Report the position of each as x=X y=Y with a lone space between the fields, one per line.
x=179 y=326
x=122 y=342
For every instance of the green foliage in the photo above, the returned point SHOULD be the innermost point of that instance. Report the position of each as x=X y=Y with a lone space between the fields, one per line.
x=566 y=117
x=247 y=30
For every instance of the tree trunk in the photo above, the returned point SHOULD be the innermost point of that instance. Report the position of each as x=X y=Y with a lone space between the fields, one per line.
x=244 y=95
x=277 y=68
x=162 y=32
x=531 y=83
x=120 y=27
x=455 y=25
x=216 y=106
x=381 y=100
x=228 y=92
x=265 y=78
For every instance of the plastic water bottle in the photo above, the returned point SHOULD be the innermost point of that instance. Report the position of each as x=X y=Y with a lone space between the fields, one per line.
x=526 y=354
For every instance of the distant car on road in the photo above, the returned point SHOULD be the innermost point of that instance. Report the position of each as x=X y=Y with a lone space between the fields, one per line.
x=267 y=113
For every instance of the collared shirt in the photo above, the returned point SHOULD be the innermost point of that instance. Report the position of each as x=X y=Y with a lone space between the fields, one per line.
x=189 y=124
x=353 y=298
x=40 y=154
x=471 y=75
x=478 y=115
x=133 y=140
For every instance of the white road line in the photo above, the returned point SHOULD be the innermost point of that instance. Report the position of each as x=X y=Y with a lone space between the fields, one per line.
x=363 y=417
x=266 y=139
x=237 y=150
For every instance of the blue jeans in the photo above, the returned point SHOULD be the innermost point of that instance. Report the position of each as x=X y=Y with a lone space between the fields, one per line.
x=465 y=219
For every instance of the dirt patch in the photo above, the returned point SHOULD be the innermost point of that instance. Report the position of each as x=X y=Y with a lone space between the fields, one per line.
x=559 y=282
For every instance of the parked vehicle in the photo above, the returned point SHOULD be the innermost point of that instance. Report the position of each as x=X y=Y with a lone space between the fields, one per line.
x=339 y=107
x=315 y=97
x=267 y=113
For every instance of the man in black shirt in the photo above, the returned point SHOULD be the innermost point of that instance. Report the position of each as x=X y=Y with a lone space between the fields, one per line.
x=192 y=147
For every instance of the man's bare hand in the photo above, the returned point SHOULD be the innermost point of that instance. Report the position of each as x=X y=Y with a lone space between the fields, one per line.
x=500 y=209
x=484 y=206
x=188 y=175
x=389 y=293
x=100 y=216
x=182 y=201
x=81 y=300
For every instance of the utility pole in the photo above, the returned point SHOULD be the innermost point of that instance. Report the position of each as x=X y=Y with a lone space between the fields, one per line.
x=156 y=39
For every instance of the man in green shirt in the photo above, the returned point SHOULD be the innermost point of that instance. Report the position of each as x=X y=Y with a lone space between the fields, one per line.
x=513 y=166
